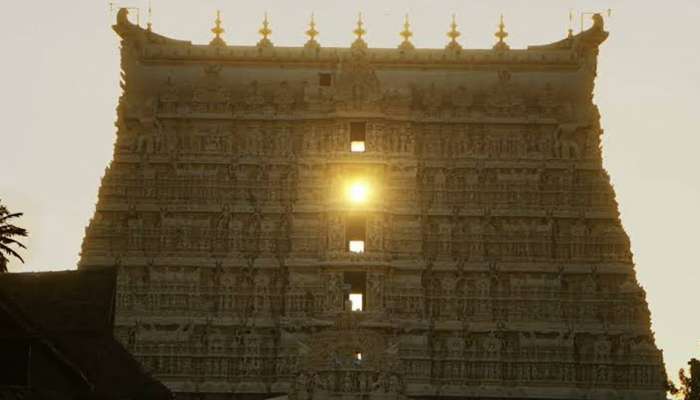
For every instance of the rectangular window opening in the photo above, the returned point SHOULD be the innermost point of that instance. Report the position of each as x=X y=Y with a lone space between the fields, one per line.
x=355 y=231
x=358 y=134
x=357 y=283
x=356 y=302
x=324 y=79
x=356 y=246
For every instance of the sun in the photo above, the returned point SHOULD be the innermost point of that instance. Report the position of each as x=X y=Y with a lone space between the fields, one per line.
x=358 y=192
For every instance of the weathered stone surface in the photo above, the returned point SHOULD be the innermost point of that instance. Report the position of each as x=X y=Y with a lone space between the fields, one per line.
x=496 y=265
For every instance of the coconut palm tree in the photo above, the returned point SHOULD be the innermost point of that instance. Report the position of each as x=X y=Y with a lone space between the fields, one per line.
x=8 y=233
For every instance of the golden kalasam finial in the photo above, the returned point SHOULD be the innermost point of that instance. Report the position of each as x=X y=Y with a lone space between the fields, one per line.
x=571 y=24
x=501 y=35
x=312 y=33
x=406 y=34
x=453 y=34
x=360 y=30
x=265 y=32
x=359 y=43
x=217 y=30
x=149 y=24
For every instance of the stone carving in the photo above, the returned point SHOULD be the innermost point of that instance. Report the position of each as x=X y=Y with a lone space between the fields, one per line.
x=284 y=98
x=495 y=263
x=432 y=101
x=254 y=99
x=357 y=85
x=504 y=99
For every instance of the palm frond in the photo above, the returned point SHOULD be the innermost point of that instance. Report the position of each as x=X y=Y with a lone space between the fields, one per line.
x=8 y=216
x=8 y=250
x=11 y=230
x=7 y=240
x=7 y=234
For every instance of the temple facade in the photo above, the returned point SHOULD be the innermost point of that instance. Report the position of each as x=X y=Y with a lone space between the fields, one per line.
x=359 y=223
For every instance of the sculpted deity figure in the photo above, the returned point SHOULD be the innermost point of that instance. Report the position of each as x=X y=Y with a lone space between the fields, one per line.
x=300 y=386
x=374 y=240
x=317 y=382
x=169 y=96
x=254 y=98
x=396 y=101
x=461 y=101
x=432 y=100
x=347 y=383
x=439 y=181
x=363 y=383
x=357 y=84
x=283 y=98
x=602 y=348
x=493 y=344
x=336 y=234
x=548 y=101
x=566 y=141
x=589 y=285
x=378 y=383
x=504 y=100
x=394 y=384
x=376 y=291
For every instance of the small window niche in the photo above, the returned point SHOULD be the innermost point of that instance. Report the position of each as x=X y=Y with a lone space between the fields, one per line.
x=355 y=232
x=357 y=282
x=358 y=135
x=324 y=79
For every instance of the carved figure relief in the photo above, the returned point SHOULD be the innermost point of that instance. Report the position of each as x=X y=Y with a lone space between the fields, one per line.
x=357 y=85
x=504 y=99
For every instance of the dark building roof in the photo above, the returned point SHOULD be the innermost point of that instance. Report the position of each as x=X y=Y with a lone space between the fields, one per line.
x=57 y=328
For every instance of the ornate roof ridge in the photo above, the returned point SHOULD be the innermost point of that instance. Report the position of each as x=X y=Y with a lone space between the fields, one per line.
x=586 y=40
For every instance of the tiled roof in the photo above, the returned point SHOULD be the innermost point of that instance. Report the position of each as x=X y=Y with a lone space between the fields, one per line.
x=70 y=314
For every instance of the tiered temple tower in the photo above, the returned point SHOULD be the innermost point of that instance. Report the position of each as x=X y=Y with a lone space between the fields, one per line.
x=455 y=198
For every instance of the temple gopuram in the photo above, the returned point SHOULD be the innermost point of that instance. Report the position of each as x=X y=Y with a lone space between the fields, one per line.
x=312 y=223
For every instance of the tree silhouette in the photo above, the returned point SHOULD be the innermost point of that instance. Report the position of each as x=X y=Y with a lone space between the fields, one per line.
x=8 y=233
x=690 y=384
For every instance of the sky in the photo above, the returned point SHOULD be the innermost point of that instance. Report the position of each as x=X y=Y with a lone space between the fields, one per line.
x=59 y=78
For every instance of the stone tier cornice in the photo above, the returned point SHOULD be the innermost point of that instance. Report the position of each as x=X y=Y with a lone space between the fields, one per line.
x=156 y=48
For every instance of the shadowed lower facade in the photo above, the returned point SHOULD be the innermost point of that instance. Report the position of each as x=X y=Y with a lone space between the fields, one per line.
x=454 y=198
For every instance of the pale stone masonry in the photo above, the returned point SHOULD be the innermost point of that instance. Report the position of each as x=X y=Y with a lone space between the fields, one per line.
x=494 y=266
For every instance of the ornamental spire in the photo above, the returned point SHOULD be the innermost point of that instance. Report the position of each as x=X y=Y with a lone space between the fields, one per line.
x=501 y=35
x=359 y=32
x=217 y=30
x=312 y=33
x=149 y=23
x=265 y=32
x=406 y=34
x=453 y=34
